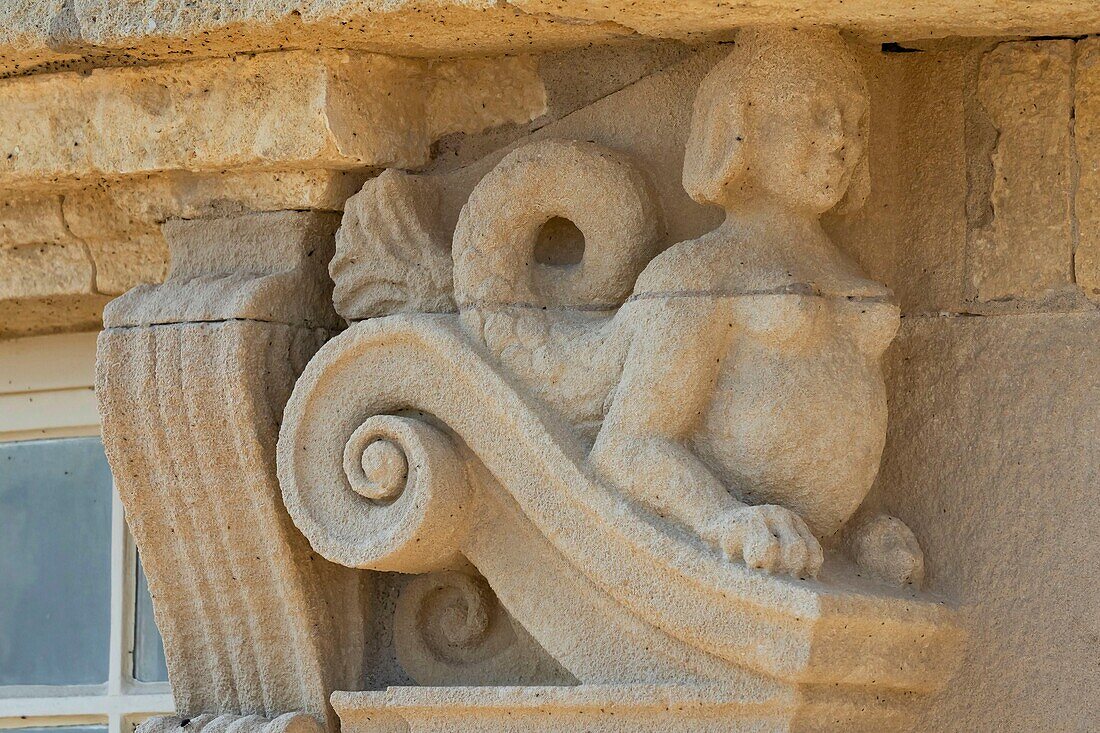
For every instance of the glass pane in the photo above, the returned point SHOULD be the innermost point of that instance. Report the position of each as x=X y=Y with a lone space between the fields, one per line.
x=149 y=665
x=55 y=562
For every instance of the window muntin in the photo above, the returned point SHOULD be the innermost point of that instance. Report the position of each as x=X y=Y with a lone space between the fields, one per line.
x=46 y=391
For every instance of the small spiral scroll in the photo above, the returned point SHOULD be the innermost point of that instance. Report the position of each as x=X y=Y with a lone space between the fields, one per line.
x=450 y=629
x=376 y=468
x=404 y=502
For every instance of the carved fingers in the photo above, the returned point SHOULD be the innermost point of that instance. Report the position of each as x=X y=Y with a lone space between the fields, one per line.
x=771 y=538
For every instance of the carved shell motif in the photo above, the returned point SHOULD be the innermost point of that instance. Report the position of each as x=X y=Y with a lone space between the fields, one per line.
x=391 y=255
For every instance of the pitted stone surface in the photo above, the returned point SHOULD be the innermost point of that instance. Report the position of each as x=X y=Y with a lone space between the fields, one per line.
x=1086 y=257
x=294 y=109
x=1025 y=246
x=36 y=32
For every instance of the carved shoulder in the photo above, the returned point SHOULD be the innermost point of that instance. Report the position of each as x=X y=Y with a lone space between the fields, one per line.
x=697 y=265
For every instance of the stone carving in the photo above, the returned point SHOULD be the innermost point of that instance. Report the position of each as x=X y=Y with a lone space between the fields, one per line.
x=391 y=253
x=192 y=377
x=451 y=630
x=621 y=444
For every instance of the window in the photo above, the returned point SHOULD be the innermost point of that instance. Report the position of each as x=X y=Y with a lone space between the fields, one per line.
x=79 y=649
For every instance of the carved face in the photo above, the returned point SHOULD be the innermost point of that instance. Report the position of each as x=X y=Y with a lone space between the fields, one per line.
x=785 y=114
x=806 y=147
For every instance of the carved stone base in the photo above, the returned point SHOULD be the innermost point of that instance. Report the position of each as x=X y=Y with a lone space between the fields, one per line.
x=610 y=708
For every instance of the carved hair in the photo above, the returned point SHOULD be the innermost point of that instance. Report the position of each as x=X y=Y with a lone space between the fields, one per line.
x=777 y=62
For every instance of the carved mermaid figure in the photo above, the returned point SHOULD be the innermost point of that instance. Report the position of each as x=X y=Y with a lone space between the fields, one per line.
x=737 y=391
x=626 y=445
x=751 y=405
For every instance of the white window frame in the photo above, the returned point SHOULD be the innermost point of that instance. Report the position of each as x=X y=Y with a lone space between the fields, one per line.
x=47 y=390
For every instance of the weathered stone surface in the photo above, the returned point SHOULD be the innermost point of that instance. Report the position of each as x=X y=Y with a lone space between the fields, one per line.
x=620 y=448
x=1021 y=237
x=139 y=205
x=991 y=459
x=293 y=109
x=47 y=287
x=295 y=722
x=51 y=314
x=1086 y=256
x=910 y=233
x=33 y=220
x=392 y=254
x=574 y=80
x=240 y=267
x=192 y=377
x=55 y=32
x=127 y=262
x=606 y=709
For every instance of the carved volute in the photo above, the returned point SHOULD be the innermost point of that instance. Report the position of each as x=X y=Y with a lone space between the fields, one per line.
x=517 y=444
x=651 y=457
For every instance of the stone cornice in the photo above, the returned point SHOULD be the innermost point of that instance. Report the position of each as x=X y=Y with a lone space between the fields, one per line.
x=51 y=34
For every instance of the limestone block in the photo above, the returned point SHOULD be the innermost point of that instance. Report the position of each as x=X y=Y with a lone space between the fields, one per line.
x=128 y=262
x=991 y=459
x=35 y=271
x=1022 y=246
x=273 y=110
x=1087 y=139
x=910 y=233
x=54 y=32
x=878 y=19
x=241 y=267
x=33 y=220
x=605 y=709
x=50 y=314
x=47 y=287
x=192 y=377
x=574 y=79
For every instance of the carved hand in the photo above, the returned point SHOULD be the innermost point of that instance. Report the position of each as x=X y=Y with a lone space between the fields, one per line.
x=768 y=537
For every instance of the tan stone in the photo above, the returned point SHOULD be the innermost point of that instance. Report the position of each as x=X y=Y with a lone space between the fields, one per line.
x=991 y=459
x=47 y=287
x=40 y=270
x=240 y=267
x=1022 y=247
x=640 y=459
x=192 y=376
x=121 y=264
x=56 y=32
x=273 y=110
x=1086 y=255
x=80 y=311
x=120 y=222
x=910 y=233
x=33 y=220
x=605 y=709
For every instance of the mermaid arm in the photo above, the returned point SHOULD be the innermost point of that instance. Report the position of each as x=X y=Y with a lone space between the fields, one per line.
x=677 y=345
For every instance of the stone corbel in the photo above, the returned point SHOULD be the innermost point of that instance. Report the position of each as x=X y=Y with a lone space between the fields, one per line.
x=192 y=377
x=654 y=459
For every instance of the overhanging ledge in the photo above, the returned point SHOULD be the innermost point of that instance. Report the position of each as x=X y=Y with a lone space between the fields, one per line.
x=56 y=33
